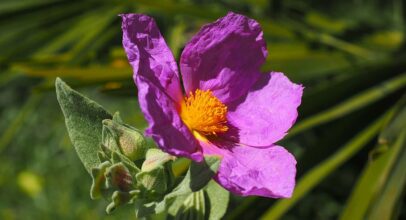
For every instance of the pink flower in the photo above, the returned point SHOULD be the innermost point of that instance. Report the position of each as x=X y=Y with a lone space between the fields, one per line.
x=229 y=107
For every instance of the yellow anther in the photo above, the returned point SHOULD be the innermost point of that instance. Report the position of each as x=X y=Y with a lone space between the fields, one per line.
x=202 y=112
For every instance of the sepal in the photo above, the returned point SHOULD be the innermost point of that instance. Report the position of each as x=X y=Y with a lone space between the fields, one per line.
x=155 y=158
x=118 y=136
x=119 y=177
x=198 y=175
x=99 y=188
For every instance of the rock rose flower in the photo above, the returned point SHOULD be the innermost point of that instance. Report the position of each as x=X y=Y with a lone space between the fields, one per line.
x=219 y=104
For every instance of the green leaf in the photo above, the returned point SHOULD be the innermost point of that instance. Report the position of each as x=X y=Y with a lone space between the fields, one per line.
x=117 y=117
x=371 y=192
x=325 y=23
x=370 y=184
x=202 y=173
x=198 y=175
x=154 y=181
x=352 y=104
x=396 y=124
x=155 y=158
x=385 y=204
x=83 y=119
x=118 y=198
x=193 y=207
x=218 y=199
x=116 y=157
x=177 y=203
x=99 y=188
x=216 y=202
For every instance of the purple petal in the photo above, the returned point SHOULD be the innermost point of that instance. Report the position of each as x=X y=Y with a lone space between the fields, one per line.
x=266 y=113
x=225 y=57
x=249 y=171
x=149 y=55
x=165 y=125
x=156 y=76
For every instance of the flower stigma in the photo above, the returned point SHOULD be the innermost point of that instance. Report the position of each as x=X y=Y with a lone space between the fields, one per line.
x=204 y=114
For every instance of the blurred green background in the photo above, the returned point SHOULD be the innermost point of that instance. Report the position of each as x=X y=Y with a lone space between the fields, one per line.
x=349 y=139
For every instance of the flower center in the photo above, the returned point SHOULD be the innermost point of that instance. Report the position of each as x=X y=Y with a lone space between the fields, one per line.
x=204 y=113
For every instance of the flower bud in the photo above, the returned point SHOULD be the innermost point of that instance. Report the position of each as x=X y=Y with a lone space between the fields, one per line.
x=119 y=177
x=129 y=140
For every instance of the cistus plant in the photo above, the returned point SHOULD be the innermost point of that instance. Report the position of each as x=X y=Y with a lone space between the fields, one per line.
x=219 y=111
x=125 y=169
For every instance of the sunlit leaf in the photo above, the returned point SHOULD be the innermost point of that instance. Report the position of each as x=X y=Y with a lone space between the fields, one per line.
x=83 y=119
x=371 y=192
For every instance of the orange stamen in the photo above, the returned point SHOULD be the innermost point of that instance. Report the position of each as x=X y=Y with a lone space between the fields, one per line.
x=204 y=113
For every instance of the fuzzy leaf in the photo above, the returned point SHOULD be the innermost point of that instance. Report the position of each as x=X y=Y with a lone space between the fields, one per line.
x=117 y=117
x=193 y=207
x=99 y=187
x=118 y=198
x=154 y=159
x=177 y=204
x=202 y=173
x=154 y=181
x=218 y=199
x=216 y=202
x=198 y=175
x=83 y=119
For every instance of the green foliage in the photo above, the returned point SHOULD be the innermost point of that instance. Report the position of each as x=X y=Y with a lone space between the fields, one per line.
x=83 y=119
x=193 y=207
x=213 y=205
x=128 y=140
x=380 y=185
x=341 y=52
x=155 y=158
x=117 y=178
x=197 y=177
x=218 y=200
x=358 y=101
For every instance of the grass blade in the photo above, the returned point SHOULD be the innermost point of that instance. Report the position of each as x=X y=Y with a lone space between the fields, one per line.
x=317 y=174
x=384 y=207
x=356 y=102
x=371 y=183
x=372 y=187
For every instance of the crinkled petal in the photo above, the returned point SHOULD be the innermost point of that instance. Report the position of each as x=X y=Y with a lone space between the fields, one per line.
x=156 y=77
x=149 y=55
x=165 y=125
x=225 y=57
x=248 y=171
x=266 y=113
